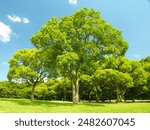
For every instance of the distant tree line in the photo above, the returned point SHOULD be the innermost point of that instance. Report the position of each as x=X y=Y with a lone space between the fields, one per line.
x=79 y=57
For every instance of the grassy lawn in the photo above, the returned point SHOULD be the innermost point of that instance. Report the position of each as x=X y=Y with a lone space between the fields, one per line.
x=37 y=106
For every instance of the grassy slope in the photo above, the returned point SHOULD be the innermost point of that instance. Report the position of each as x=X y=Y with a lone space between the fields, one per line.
x=24 y=105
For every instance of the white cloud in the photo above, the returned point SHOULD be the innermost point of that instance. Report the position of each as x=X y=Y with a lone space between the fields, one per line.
x=73 y=2
x=16 y=19
x=5 y=32
x=25 y=20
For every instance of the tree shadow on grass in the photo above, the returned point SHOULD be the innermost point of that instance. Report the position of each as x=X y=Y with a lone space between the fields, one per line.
x=28 y=102
x=95 y=104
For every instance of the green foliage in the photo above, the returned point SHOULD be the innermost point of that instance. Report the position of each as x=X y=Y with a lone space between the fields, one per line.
x=77 y=54
x=26 y=66
x=113 y=80
x=41 y=91
x=54 y=89
x=74 y=42
x=14 y=90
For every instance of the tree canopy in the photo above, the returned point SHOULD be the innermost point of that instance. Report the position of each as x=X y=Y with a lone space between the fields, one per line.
x=27 y=66
x=75 y=42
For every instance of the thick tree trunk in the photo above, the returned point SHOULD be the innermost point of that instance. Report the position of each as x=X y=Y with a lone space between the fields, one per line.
x=97 y=95
x=32 y=93
x=117 y=94
x=119 y=97
x=75 y=91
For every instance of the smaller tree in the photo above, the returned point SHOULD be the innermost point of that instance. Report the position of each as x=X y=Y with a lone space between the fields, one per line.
x=117 y=81
x=27 y=66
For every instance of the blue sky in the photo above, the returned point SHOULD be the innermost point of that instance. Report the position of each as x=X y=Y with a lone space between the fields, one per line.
x=20 y=19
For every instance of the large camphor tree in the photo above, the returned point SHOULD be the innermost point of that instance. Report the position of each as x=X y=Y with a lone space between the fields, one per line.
x=74 y=42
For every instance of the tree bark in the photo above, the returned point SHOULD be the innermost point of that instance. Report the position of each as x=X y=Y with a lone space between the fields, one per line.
x=75 y=91
x=32 y=93
x=97 y=95
x=117 y=94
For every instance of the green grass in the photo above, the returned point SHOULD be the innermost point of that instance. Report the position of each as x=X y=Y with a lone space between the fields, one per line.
x=37 y=106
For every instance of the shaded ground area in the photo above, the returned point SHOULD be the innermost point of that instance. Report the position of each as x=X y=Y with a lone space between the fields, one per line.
x=38 y=106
